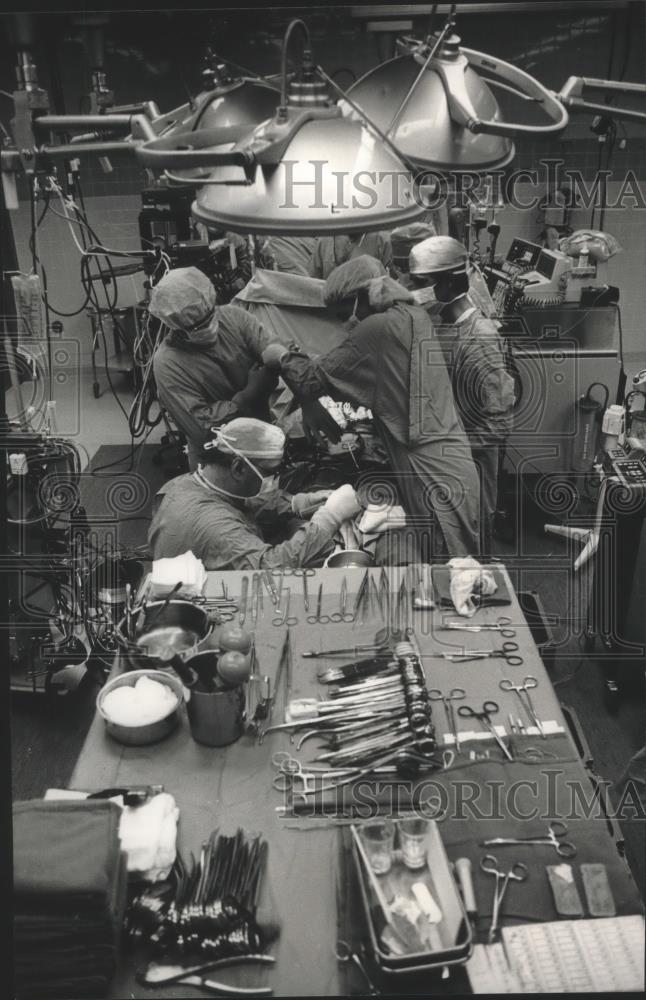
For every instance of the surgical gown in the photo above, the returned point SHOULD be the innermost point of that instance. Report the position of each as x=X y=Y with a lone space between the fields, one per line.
x=484 y=395
x=225 y=534
x=393 y=364
x=331 y=251
x=197 y=384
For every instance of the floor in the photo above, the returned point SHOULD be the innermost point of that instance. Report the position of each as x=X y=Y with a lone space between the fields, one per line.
x=46 y=743
x=79 y=417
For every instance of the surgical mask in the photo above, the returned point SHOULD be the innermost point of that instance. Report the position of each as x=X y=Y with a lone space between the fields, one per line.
x=203 y=338
x=266 y=482
x=269 y=484
x=423 y=296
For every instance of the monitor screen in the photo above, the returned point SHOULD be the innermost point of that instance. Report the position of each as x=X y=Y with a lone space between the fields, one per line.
x=545 y=264
x=523 y=252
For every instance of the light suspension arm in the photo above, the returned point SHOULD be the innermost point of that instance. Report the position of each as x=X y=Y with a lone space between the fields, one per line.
x=572 y=97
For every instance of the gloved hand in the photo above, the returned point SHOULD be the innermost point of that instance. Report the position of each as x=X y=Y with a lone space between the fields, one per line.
x=317 y=419
x=260 y=385
x=305 y=504
x=343 y=503
x=272 y=355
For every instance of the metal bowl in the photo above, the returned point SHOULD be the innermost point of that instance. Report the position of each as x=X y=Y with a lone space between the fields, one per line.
x=151 y=732
x=348 y=558
x=178 y=628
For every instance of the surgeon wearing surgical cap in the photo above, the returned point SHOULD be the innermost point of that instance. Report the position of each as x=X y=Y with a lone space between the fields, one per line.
x=392 y=364
x=331 y=251
x=483 y=388
x=402 y=241
x=208 y=368
x=226 y=511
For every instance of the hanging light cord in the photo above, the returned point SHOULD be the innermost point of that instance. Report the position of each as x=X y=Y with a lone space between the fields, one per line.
x=296 y=23
x=364 y=117
x=450 y=21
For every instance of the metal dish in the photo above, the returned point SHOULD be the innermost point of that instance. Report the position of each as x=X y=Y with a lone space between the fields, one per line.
x=169 y=629
x=151 y=732
x=348 y=558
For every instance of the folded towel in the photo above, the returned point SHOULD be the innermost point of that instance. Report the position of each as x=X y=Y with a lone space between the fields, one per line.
x=444 y=592
x=167 y=573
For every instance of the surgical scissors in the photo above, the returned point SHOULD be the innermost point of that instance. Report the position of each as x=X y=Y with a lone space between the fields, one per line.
x=283 y=617
x=555 y=831
x=455 y=694
x=344 y=954
x=517 y=873
x=528 y=684
x=318 y=618
x=342 y=615
x=489 y=708
x=508 y=651
x=502 y=625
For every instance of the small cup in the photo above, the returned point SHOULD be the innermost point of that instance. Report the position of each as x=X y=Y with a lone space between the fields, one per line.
x=412 y=840
x=378 y=840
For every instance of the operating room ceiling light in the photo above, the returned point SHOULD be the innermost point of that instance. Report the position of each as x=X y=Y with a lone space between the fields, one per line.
x=226 y=101
x=439 y=111
x=308 y=169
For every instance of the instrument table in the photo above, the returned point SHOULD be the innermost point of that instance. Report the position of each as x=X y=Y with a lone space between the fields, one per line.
x=231 y=787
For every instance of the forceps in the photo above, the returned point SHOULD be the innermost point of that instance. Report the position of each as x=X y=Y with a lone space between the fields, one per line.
x=517 y=873
x=528 y=684
x=455 y=694
x=508 y=651
x=271 y=587
x=291 y=772
x=489 y=708
x=244 y=593
x=318 y=618
x=256 y=598
x=306 y=597
x=555 y=832
x=344 y=954
x=342 y=615
x=502 y=625
x=283 y=617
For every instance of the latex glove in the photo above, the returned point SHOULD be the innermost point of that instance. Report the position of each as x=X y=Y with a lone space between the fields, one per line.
x=468 y=578
x=273 y=355
x=319 y=422
x=343 y=503
x=260 y=385
x=305 y=504
x=378 y=519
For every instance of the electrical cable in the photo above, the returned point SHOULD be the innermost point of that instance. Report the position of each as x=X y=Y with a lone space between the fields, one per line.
x=35 y=263
x=96 y=268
